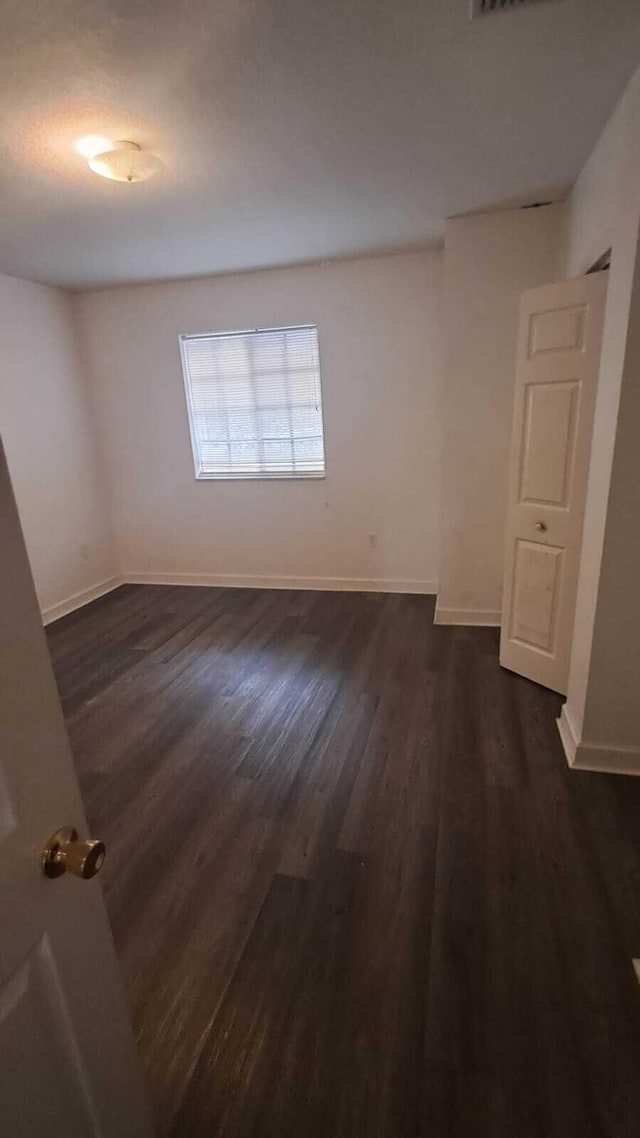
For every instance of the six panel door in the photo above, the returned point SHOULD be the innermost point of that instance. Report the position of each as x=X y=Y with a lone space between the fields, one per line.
x=557 y=363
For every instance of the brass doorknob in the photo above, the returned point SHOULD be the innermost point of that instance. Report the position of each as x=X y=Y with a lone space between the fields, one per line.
x=65 y=852
x=541 y=526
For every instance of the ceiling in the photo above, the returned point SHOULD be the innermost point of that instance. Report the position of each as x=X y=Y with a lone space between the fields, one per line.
x=292 y=130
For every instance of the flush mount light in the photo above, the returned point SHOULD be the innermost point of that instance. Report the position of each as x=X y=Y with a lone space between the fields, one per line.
x=126 y=162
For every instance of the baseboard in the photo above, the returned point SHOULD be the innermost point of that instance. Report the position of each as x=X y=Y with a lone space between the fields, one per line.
x=488 y=618
x=62 y=608
x=238 y=581
x=568 y=735
x=590 y=757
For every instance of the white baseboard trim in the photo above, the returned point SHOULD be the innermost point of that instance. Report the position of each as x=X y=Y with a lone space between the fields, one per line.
x=233 y=580
x=237 y=581
x=62 y=608
x=583 y=756
x=568 y=736
x=488 y=618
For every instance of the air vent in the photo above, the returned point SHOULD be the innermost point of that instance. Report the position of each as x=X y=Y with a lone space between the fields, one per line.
x=486 y=7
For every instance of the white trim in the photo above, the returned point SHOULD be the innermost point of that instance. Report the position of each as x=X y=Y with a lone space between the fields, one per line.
x=488 y=618
x=54 y=612
x=591 y=757
x=568 y=735
x=238 y=581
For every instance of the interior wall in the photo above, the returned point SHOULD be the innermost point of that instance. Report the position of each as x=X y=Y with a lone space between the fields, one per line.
x=600 y=721
x=379 y=331
x=604 y=187
x=50 y=441
x=490 y=259
x=612 y=714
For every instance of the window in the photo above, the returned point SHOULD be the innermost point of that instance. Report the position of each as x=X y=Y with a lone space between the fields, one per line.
x=254 y=403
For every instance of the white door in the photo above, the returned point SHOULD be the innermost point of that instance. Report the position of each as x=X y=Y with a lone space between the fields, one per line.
x=557 y=363
x=68 y=1063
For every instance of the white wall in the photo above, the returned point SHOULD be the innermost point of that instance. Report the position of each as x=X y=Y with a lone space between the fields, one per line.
x=378 y=322
x=50 y=442
x=604 y=187
x=490 y=259
x=601 y=719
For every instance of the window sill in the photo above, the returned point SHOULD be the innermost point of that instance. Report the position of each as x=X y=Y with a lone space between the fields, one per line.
x=259 y=477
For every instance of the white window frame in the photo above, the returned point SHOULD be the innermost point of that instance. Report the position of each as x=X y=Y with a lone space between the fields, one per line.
x=260 y=476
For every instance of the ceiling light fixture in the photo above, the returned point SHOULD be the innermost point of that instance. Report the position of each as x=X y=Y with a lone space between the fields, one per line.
x=126 y=162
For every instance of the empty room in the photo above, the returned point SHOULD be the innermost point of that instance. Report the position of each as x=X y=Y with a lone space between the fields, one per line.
x=319 y=582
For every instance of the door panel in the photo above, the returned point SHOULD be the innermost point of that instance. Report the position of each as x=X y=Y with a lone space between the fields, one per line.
x=67 y=1058
x=548 y=445
x=36 y=1035
x=536 y=584
x=558 y=329
x=557 y=363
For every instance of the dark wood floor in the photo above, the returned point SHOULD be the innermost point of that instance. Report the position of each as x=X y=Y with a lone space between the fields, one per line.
x=355 y=890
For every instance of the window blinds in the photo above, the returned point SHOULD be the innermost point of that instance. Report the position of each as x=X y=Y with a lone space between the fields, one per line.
x=254 y=403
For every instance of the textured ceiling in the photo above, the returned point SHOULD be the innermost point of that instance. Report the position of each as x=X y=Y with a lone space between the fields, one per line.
x=292 y=130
